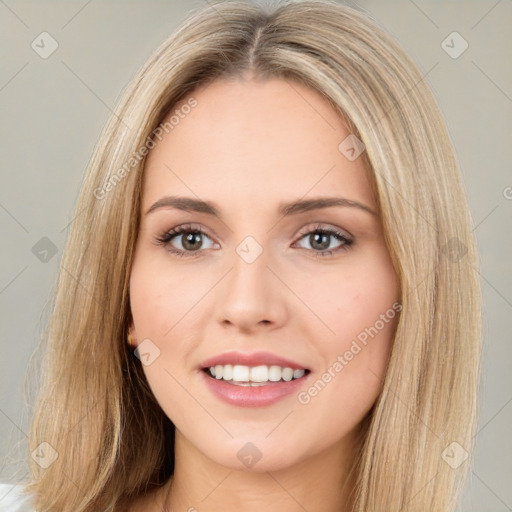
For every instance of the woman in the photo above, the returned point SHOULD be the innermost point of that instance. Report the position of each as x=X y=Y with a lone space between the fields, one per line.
x=269 y=297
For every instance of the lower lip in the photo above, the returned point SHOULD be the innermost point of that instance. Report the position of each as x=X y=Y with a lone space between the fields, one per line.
x=252 y=396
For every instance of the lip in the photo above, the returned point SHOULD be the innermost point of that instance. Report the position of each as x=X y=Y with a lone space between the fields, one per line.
x=257 y=396
x=252 y=359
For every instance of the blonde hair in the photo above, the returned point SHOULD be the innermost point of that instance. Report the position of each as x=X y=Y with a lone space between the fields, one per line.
x=95 y=407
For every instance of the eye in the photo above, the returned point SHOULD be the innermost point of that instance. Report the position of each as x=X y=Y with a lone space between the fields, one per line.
x=190 y=243
x=320 y=240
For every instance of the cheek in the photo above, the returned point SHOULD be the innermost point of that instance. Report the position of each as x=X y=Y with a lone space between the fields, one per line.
x=166 y=310
x=359 y=305
x=162 y=300
x=353 y=298
x=161 y=303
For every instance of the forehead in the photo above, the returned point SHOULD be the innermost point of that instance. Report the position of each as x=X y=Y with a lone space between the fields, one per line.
x=254 y=143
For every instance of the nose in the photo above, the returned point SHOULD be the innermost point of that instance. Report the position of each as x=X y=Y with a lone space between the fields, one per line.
x=251 y=296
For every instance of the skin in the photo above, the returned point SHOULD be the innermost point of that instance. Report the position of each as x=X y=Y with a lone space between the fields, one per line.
x=247 y=146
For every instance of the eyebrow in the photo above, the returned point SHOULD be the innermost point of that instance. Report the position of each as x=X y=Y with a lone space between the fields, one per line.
x=190 y=204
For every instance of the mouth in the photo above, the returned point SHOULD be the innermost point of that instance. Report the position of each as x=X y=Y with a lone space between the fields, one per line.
x=254 y=376
x=254 y=386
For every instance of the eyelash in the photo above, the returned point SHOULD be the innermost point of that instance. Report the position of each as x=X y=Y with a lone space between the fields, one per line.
x=165 y=239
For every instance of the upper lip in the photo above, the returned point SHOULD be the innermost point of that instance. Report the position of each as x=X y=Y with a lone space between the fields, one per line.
x=251 y=359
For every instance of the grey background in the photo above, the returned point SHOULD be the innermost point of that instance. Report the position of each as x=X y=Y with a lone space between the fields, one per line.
x=53 y=109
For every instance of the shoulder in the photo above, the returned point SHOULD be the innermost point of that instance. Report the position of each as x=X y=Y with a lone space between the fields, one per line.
x=14 y=499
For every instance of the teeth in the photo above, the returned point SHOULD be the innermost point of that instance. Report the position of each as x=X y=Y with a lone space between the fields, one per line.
x=254 y=375
x=227 y=372
x=240 y=373
x=297 y=374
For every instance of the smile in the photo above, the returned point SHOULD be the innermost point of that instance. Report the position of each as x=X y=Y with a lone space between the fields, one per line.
x=254 y=386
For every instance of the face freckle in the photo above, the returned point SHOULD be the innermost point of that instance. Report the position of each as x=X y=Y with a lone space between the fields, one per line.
x=246 y=149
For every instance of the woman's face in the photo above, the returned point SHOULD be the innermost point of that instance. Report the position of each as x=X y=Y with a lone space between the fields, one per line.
x=258 y=284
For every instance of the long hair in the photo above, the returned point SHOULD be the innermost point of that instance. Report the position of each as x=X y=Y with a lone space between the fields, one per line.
x=94 y=407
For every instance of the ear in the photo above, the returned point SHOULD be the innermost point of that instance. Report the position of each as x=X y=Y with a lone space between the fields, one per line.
x=132 y=335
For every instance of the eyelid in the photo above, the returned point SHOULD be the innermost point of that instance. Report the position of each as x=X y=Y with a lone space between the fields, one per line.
x=178 y=230
x=303 y=231
x=322 y=226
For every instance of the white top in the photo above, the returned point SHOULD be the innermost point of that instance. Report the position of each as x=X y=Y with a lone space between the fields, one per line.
x=13 y=499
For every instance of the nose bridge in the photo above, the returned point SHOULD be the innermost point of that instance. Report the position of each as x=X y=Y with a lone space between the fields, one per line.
x=251 y=294
x=250 y=276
